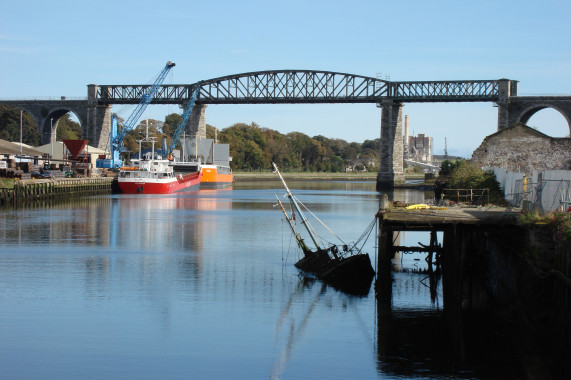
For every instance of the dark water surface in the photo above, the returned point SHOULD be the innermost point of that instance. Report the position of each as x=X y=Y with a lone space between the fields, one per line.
x=202 y=285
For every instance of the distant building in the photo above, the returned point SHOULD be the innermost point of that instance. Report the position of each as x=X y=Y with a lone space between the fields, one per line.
x=416 y=148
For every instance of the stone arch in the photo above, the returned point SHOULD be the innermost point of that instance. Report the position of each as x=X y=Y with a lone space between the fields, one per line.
x=48 y=123
x=520 y=109
x=528 y=112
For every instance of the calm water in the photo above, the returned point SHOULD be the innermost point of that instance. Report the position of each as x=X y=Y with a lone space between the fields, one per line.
x=202 y=285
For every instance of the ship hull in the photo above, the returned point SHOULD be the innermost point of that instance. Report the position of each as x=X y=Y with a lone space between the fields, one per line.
x=352 y=274
x=216 y=177
x=187 y=182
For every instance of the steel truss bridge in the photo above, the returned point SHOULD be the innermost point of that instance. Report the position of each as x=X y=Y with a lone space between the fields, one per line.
x=300 y=86
x=305 y=86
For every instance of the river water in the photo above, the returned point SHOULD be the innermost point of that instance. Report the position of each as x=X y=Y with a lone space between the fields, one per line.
x=202 y=285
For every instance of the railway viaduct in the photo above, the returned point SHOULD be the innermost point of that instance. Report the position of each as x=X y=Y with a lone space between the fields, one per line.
x=298 y=86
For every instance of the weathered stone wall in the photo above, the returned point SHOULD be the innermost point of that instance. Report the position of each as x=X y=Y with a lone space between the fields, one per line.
x=391 y=149
x=523 y=149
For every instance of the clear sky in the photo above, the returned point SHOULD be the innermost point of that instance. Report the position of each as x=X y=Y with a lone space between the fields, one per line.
x=55 y=48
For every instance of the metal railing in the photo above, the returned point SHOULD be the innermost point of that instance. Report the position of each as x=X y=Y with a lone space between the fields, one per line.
x=470 y=196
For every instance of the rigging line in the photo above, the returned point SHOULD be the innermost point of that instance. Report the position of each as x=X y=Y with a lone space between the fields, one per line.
x=312 y=230
x=367 y=233
x=319 y=220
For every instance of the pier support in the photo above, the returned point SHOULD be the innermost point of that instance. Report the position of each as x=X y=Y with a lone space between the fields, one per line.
x=391 y=150
x=196 y=125
x=97 y=124
x=453 y=258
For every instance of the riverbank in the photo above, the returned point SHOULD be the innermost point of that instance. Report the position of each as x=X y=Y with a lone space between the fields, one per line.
x=16 y=191
x=308 y=176
x=20 y=191
x=414 y=181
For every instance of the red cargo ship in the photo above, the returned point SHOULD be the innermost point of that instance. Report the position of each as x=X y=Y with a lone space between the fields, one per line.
x=156 y=177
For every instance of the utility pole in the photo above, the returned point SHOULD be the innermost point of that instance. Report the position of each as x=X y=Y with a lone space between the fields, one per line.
x=52 y=136
x=21 y=111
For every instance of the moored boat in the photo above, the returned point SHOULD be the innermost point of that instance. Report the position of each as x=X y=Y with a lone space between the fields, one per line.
x=214 y=159
x=343 y=266
x=156 y=177
x=216 y=177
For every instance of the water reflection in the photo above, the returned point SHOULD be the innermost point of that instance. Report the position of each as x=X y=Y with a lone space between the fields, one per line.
x=303 y=314
x=413 y=337
x=200 y=285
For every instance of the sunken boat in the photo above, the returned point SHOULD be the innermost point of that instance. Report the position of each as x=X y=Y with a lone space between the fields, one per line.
x=343 y=266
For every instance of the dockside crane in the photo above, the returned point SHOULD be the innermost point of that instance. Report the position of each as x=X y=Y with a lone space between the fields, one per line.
x=117 y=135
x=182 y=124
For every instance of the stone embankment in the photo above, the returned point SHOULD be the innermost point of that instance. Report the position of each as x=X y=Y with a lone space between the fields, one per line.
x=21 y=191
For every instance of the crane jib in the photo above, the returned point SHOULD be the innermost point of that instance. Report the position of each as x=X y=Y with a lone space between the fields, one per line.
x=185 y=117
x=145 y=100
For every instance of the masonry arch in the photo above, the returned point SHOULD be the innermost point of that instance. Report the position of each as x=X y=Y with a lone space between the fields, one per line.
x=549 y=121
x=521 y=109
x=48 y=125
x=530 y=111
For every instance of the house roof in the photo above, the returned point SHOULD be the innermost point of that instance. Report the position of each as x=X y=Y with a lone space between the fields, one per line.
x=519 y=127
x=59 y=145
x=7 y=147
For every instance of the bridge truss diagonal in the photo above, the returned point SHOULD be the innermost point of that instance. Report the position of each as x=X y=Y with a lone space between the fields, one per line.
x=305 y=86
x=446 y=91
x=292 y=87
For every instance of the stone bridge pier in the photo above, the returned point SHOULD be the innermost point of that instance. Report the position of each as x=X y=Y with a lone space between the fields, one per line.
x=391 y=150
x=196 y=125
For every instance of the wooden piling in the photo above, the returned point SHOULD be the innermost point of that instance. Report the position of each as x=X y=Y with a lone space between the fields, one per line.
x=24 y=191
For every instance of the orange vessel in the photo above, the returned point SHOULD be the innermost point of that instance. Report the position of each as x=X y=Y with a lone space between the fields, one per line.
x=216 y=177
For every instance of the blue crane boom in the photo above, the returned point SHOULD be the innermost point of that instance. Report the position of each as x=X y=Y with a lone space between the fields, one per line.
x=116 y=135
x=185 y=116
x=145 y=100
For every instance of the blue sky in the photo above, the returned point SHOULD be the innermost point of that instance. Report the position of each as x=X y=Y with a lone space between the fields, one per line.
x=55 y=48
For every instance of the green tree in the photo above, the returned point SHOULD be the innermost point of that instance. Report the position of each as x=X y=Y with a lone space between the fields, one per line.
x=464 y=175
x=240 y=136
x=212 y=132
x=254 y=148
x=68 y=129
x=447 y=167
x=278 y=151
x=372 y=144
x=170 y=124
x=253 y=156
x=10 y=126
x=154 y=128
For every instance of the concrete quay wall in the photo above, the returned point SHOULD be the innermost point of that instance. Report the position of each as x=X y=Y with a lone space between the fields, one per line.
x=31 y=190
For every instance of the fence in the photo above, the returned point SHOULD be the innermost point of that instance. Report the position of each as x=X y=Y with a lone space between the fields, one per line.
x=471 y=196
x=545 y=191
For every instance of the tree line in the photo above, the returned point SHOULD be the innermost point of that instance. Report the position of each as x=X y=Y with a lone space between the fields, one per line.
x=252 y=147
